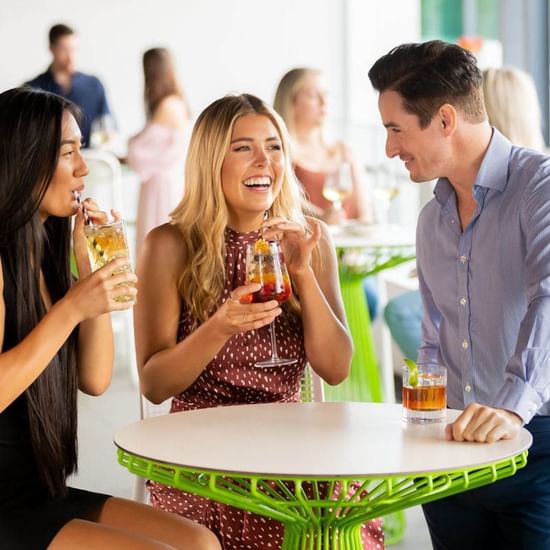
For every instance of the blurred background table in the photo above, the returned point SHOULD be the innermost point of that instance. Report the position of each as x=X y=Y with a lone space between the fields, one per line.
x=299 y=463
x=365 y=250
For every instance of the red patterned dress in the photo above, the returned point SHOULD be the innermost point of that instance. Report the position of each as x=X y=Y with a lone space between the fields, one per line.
x=231 y=379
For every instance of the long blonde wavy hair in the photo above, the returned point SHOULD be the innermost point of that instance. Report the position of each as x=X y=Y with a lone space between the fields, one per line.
x=202 y=215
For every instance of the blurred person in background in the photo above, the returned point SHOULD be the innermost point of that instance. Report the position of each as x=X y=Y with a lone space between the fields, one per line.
x=63 y=79
x=301 y=99
x=513 y=106
x=158 y=152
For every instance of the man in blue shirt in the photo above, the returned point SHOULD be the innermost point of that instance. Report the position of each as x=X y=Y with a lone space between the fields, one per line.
x=483 y=256
x=62 y=79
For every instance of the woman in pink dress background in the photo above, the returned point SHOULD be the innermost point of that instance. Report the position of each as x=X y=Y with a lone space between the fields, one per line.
x=158 y=152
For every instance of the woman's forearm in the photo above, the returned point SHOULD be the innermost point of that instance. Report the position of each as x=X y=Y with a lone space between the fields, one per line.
x=172 y=370
x=95 y=355
x=327 y=343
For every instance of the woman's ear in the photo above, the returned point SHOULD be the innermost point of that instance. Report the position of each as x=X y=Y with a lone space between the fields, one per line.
x=448 y=119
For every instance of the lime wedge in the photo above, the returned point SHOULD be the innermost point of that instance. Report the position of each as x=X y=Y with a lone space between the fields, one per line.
x=413 y=372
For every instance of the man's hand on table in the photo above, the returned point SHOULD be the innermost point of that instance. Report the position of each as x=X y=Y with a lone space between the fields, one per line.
x=483 y=424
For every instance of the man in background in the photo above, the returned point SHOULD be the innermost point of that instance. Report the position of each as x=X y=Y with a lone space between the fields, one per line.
x=63 y=79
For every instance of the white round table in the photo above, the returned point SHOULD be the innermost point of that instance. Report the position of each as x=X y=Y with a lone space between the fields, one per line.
x=296 y=462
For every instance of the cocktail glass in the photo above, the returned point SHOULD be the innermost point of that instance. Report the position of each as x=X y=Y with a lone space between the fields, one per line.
x=265 y=265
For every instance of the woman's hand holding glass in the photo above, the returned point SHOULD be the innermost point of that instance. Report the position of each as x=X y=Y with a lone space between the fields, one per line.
x=239 y=314
x=110 y=288
x=101 y=291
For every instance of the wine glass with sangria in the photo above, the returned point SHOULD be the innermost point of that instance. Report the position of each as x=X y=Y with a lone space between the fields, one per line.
x=265 y=265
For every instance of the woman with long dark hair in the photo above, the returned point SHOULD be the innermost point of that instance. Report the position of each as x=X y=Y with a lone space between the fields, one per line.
x=55 y=337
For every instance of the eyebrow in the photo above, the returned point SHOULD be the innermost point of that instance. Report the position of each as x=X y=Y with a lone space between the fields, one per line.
x=70 y=141
x=274 y=138
x=391 y=125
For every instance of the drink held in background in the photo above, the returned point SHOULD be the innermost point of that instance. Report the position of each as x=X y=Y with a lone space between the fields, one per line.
x=424 y=393
x=105 y=243
x=338 y=185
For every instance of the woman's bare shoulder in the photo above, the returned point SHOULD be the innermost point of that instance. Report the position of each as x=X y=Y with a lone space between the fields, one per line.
x=165 y=244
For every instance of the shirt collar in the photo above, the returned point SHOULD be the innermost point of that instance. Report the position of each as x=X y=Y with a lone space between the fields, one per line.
x=493 y=172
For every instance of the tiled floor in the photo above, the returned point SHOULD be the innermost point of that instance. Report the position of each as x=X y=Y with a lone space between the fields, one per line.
x=99 y=417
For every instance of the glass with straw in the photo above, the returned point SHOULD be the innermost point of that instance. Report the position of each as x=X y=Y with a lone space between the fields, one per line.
x=105 y=242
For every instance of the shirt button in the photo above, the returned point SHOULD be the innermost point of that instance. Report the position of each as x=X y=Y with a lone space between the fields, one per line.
x=463 y=301
x=465 y=344
x=453 y=221
x=463 y=259
x=468 y=388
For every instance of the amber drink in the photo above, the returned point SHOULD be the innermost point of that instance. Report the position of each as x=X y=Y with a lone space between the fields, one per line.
x=105 y=243
x=424 y=394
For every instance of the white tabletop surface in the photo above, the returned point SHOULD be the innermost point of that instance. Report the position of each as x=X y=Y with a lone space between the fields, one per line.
x=357 y=234
x=312 y=439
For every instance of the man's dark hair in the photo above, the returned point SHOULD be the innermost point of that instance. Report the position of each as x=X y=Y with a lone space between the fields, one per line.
x=59 y=31
x=430 y=74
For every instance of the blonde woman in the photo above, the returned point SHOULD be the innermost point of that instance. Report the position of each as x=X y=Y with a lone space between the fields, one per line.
x=301 y=99
x=513 y=106
x=195 y=341
x=158 y=152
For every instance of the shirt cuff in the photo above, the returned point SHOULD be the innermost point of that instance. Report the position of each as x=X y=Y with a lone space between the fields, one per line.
x=519 y=397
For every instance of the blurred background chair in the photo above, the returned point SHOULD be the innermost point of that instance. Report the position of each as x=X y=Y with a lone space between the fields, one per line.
x=104 y=185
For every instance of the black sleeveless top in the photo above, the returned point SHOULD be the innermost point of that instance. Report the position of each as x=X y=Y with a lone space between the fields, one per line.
x=29 y=517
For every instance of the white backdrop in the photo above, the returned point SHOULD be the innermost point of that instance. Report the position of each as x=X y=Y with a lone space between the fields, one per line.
x=220 y=46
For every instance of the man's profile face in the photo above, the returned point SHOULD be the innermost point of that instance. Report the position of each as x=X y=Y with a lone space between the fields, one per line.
x=64 y=53
x=422 y=150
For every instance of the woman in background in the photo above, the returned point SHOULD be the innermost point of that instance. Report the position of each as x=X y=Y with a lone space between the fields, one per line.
x=158 y=152
x=301 y=100
x=513 y=106
x=55 y=338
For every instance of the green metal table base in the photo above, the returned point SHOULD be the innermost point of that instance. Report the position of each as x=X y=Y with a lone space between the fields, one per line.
x=318 y=513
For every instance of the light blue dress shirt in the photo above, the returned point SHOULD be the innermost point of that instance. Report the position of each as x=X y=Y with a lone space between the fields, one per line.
x=486 y=290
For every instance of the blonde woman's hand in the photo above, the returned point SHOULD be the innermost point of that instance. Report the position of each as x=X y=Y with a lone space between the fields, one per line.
x=297 y=241
x=96 y=294
x=239 y=314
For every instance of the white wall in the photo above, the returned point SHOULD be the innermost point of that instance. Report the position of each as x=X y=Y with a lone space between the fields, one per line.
x=220 y=46
x=242 y=45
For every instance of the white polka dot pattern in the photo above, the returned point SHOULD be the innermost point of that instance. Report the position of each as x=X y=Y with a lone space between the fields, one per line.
x=231 y=378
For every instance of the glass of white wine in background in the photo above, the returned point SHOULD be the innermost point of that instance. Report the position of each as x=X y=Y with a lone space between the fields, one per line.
x=338 y=186
x=102 y=130
x=105 y=243
x=385 y=191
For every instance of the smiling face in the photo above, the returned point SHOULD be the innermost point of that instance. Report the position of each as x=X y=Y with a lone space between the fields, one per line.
x=59 y=199
x=424 y=151
x=252 y=170
x=310 y=101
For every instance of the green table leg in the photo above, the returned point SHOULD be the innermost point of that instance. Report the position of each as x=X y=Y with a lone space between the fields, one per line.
x=364 y=382
x=314 y=515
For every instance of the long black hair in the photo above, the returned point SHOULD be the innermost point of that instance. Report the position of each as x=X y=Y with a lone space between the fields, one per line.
x=30 y=138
